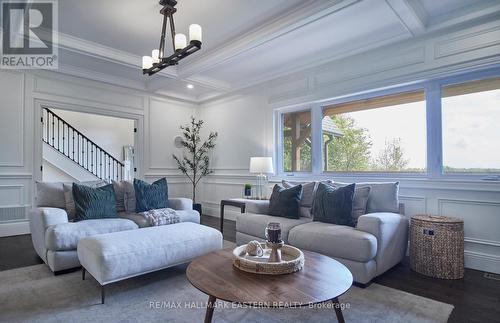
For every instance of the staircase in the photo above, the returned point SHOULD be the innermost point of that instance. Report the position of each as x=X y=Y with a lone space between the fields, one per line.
x=76 y=147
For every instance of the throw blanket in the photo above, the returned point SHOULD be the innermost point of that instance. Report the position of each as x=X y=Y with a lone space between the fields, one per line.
x=161 y=216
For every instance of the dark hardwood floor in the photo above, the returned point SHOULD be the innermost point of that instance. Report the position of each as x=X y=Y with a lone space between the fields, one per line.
x=476 y=298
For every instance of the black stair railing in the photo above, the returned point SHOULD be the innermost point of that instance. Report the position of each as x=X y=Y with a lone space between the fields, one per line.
x=76 y=146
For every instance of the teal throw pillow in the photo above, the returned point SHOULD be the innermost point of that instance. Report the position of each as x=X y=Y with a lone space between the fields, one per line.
x=150 y=196
x=94 y=203
x=334 y=205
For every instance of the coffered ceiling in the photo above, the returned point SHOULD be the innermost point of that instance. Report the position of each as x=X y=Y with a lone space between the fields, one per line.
x=245 y=42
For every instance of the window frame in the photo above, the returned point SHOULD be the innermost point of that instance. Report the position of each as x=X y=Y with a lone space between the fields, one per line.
x=432 y=93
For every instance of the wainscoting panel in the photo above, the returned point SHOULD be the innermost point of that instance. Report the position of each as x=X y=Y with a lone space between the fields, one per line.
x=12 y=111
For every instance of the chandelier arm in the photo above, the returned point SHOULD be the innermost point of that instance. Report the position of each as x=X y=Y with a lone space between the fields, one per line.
x=162 y=39
x=172 y=28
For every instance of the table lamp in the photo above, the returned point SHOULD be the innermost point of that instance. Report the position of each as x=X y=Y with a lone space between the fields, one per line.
x=261 y=166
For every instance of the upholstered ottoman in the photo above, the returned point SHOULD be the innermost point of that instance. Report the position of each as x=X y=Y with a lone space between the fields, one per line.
x=120 y=255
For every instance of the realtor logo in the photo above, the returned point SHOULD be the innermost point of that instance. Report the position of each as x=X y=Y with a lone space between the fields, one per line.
x=29 y=35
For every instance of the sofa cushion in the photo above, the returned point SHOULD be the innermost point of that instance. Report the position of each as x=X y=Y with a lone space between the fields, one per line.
x=119 y=188
x=307 y=198
x=333 y=240
x=94 y=203
x=255 y=224
x=69 y=199
x=129 y=196
x=361 y=195
x=65 y=236
x=50 y=195
x=383 y=197
x=285 y=202
x=150 y=196
x=334 y=205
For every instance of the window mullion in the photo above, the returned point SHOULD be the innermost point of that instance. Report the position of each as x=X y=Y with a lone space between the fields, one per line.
x=434 y=130
x=316 y=136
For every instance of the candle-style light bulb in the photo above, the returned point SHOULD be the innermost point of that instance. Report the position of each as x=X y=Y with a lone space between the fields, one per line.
x=195 y=32
x=155 y=54
x=180 y=41
x=147 y=62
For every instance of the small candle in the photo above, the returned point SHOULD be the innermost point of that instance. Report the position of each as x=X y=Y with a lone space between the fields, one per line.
x=273 y=232
x=195 y=32
x=180 y=41
x=155 y=54
x=147 y=62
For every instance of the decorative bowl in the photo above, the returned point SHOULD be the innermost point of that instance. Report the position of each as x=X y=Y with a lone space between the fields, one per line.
x=292 y=260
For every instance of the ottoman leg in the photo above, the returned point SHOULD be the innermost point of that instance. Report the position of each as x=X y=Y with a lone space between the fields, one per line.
x=102 y=294
x=83 y=273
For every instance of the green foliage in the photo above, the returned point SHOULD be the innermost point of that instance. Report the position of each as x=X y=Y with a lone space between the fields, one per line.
x=248 y=186
x=195 y=162
x=351 y=151
x=391 y=157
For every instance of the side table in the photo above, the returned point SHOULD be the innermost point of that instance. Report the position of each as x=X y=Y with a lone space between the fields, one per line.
x=231 y=202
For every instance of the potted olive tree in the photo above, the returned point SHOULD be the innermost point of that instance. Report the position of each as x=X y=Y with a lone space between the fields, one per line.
x=194 y=163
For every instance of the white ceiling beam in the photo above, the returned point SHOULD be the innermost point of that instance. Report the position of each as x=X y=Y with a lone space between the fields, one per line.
x=309 y=12
x=410 y=14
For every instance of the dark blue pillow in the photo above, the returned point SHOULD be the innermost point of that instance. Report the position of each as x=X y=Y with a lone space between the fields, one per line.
x=94 y=203
x=150 y=196
x=334 y=205
x=285 y=202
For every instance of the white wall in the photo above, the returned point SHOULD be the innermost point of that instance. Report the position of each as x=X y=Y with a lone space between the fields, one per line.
x=246 y=128
x=22 y=95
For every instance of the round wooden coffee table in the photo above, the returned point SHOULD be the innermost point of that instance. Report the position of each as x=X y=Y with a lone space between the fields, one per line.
x=321 y=280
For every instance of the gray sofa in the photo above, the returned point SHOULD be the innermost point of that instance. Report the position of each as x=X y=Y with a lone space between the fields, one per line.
x=55 y=237
x=376 y=244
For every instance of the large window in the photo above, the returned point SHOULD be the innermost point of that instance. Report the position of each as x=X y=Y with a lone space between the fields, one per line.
x=442 y=128
x=297 y=148
x=471 y=127
x=383 y=134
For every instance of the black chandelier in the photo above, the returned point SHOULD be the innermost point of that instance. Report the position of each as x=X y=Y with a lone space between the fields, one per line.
x=157 y=61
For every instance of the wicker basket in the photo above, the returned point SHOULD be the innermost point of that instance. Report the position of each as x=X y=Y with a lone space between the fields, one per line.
x=437 y=246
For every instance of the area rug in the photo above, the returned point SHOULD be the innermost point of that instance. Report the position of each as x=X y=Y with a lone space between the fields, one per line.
x=34 y=294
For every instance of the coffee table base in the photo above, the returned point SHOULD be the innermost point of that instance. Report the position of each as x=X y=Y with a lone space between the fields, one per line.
x=211 y=306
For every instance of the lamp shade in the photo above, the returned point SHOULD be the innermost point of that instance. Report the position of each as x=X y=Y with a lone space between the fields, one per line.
x=261 y=165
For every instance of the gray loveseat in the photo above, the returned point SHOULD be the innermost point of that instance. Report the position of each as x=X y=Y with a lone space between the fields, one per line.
x=55 y=237
x=376 y=244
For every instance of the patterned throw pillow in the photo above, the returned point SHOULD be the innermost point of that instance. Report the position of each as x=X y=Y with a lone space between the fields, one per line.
x=285 y=202
x=161 y=216
x=334 y=205
x=94 y=203
x=150 y=196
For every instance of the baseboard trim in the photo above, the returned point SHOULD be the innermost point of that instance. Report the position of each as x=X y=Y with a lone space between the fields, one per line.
x=14 y=228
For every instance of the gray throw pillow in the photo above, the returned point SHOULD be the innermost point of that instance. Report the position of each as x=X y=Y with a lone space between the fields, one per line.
x=360 y=201
x=129 y=196
x=307 y=198
x=383 y=197
x=119 y=188
x=69 y=199
x=50 y=195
